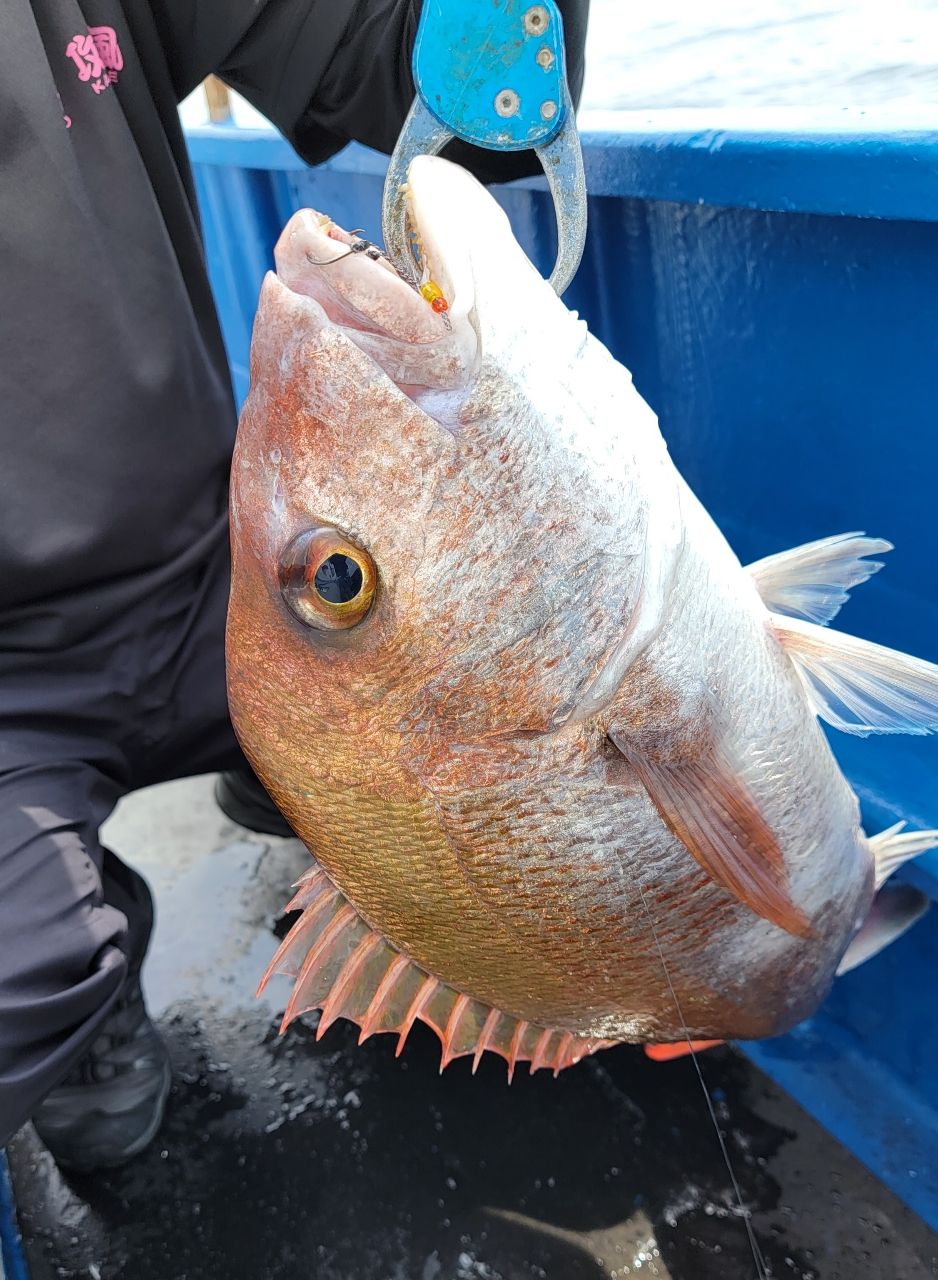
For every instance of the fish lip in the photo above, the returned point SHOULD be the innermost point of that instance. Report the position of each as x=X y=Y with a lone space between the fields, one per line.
x=358 y=292
x=314 y=259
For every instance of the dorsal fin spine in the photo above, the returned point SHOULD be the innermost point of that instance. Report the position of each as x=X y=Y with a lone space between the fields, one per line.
x=343 y=974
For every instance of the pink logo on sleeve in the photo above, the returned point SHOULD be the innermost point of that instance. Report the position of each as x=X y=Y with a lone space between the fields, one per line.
x=97 y=57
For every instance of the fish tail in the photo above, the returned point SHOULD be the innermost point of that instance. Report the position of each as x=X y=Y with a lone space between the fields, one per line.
x=668 y=1052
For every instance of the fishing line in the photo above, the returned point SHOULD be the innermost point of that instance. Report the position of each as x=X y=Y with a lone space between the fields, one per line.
x=762 y=1272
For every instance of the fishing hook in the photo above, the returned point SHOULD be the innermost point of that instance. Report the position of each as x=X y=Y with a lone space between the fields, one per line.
x=366 y=247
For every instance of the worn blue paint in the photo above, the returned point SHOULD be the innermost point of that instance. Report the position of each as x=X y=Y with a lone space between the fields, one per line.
x=12 y=1262
x=785 y=160
x=773 y=285
x=467 y=55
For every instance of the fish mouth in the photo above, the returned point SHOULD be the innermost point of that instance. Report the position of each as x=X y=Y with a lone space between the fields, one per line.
x=420 y=332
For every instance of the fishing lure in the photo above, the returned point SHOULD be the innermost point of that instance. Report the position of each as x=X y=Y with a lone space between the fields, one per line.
x=359 y=245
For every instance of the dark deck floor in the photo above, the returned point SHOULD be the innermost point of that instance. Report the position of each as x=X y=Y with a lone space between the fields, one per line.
x=281 y=1159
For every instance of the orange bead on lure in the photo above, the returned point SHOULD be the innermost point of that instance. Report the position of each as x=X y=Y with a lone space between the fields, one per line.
x=555 y=752
x=432 y=293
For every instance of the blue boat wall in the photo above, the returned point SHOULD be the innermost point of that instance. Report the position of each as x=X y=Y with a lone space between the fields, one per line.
x=772 y=282
x=12 y=1261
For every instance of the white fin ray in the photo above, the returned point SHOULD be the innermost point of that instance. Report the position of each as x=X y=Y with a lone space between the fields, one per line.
x=861 y=687
x=894 y=846
x=813 y=581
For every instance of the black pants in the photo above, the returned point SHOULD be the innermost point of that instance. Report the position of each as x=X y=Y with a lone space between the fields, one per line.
x=139 y=699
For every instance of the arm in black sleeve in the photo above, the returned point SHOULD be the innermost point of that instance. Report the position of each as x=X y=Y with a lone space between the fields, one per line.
x=328 y=72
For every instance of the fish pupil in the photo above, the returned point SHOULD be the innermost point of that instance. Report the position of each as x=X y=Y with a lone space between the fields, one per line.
x=338 y=579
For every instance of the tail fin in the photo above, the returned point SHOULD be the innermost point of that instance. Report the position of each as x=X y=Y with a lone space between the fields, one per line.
x=893 y=847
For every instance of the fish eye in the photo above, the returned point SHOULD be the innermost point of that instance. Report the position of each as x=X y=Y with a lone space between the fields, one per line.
x=326 y=580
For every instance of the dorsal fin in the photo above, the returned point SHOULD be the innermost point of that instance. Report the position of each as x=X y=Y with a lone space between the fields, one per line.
x=858 y=686
x=348 y=970
x=813 y=581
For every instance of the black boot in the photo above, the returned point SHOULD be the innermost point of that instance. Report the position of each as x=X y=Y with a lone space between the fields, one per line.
x=241 y=797
x=111 y=1104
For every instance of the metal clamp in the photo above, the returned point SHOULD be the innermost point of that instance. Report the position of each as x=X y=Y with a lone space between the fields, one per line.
x=493 y=74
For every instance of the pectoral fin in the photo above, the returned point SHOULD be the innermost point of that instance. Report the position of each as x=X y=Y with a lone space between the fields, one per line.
x=707 y=805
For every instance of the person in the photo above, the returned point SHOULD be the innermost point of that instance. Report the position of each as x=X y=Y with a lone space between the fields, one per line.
x=116 y=427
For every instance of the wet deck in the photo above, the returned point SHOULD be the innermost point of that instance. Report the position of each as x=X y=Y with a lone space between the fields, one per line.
x=281 y=1159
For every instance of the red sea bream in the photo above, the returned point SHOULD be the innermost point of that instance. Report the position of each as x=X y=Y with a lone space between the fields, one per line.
x=554 y=751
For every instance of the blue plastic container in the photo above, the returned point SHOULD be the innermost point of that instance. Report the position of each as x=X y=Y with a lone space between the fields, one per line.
x=774 y=289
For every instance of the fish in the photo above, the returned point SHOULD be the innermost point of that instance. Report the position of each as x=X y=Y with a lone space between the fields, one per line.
x=555 y=752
